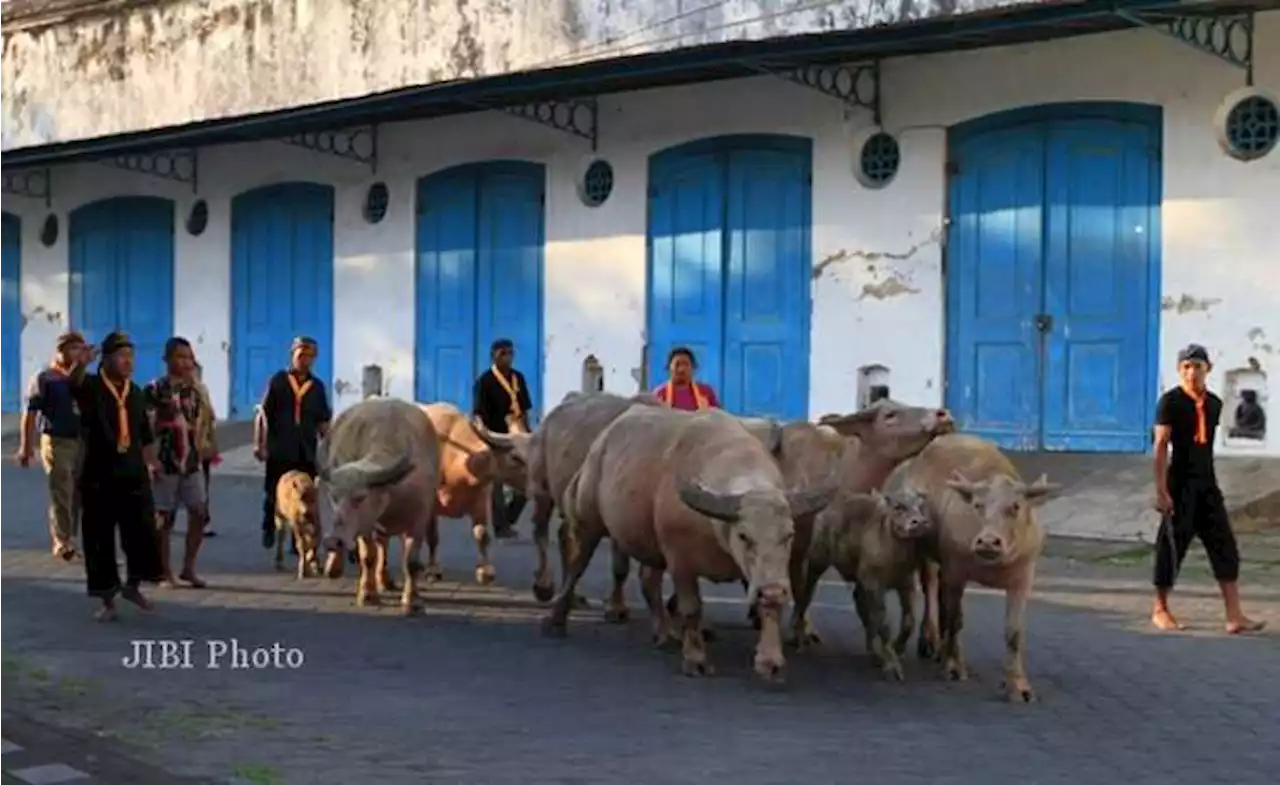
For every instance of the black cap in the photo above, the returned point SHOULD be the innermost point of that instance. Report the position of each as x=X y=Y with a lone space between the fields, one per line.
x=501 y=344
x=303 y=342
x=1192 y=352
x=114 y=342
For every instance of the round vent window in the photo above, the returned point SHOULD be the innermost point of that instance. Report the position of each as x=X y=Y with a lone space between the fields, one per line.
x=878 y=161
x=375 y=203
x=1252 y=127
x=198 y=219
x=597 y=183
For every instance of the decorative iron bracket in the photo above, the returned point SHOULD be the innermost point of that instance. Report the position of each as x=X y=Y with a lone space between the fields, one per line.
x=31 y=183
x=856 y=86
x=179 y=165
x=1228 y=37
x=354 y=144
x=579 y=117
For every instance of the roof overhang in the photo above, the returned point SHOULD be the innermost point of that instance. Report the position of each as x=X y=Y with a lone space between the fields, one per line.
x=732 y=60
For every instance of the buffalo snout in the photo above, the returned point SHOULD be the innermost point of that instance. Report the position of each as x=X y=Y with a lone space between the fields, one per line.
x=943 y=422
x=774 y=596
x=989 y=546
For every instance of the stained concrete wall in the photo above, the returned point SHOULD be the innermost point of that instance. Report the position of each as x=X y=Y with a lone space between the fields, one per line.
x=878 y=283
x=76 y=69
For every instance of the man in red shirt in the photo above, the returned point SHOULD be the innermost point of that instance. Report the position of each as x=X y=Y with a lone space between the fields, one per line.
x=681 y=391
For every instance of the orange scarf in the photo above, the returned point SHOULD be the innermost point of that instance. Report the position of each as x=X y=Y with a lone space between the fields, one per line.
x=299 y=392
x=1202 y=428
x=121 y=395
x=513 y=390
x=669 y=395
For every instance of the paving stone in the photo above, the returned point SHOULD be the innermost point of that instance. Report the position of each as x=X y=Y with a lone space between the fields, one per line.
x=49 y=774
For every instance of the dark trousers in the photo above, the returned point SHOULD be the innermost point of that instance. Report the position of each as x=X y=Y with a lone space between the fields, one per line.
x=275 y=470
x=108 y=507
x=1198 y=511
x=506 y=514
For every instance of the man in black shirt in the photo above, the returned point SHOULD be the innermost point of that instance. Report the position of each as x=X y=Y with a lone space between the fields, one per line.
x=119 y=461
x=502 y=403
x=295 y=415
x=1187 y=493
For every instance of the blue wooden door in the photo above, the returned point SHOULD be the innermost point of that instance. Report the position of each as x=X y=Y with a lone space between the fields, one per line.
x=281 y=284
x=686 y=263
x=994 y=274
x=12 y=337
x=767 y=285
x=1052 y=256
x=121 y=264
x=1100 y=226
x=729 y=269
x=480 y=239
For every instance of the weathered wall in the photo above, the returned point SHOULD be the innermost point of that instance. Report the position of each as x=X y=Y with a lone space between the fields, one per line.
x=76 y=69
x=1218 y=242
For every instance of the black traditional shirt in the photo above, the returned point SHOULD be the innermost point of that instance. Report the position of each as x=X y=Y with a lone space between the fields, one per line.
x=1192 y=460
x=295 y=407
x=106 y=459
x=493 y=401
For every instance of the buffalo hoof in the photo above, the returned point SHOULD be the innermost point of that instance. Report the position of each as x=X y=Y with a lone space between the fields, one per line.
x=368 y=600
x=1019 y=693
x=956 y=670
x=411 y=609
x=618 y=614
x=388 y=586
x=694 y=669
x=554 y=628
x=893 y=671
x=484 y=574
x=926 y=649
x=543 y=593
x=432 y=573
x=580 y=602
x=773 y=674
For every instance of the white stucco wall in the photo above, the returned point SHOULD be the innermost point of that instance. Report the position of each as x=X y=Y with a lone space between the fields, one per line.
x=76 y=69
x=1218 y=239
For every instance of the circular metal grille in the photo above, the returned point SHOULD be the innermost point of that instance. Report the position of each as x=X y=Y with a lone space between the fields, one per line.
x=879 y=160
x=1253 y=127
x=597 y=184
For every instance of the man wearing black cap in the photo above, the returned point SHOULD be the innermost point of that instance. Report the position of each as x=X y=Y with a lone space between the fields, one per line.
x=295 y=415
x=119 y=461
x=1187 y=493
x=502 y=403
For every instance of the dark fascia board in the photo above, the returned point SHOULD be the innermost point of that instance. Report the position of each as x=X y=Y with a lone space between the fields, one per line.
x=710 y=62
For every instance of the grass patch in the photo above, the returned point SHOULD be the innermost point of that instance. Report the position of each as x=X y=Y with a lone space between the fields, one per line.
x=258 y=774
x=198 y=723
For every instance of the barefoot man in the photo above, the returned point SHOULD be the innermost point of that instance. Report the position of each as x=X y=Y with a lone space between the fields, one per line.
x=1187 y=493
x=119 y=460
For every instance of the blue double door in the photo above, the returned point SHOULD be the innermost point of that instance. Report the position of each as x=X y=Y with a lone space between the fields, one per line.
x=1052 y=265
x=11 y=235
x=281 y=284
x=480 y=235
x=730 y=268
x=121 y=265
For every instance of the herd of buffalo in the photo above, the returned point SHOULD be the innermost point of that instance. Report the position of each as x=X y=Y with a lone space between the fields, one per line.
x=883 y=495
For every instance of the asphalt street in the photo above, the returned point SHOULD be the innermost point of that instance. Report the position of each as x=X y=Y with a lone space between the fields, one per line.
x=471 y=692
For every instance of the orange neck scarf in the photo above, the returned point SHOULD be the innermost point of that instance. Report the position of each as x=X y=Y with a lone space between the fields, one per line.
x=121 y=395
x=299 y=392
x=513 y=390
x=669 y=395
x=1202 y=429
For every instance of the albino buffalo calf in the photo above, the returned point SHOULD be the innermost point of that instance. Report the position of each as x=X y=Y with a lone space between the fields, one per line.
x=987 y=534
x=696 y=495
x=298 y=514
x=871 y=541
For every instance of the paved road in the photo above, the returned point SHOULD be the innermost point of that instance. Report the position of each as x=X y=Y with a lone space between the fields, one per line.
x=471 y=692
